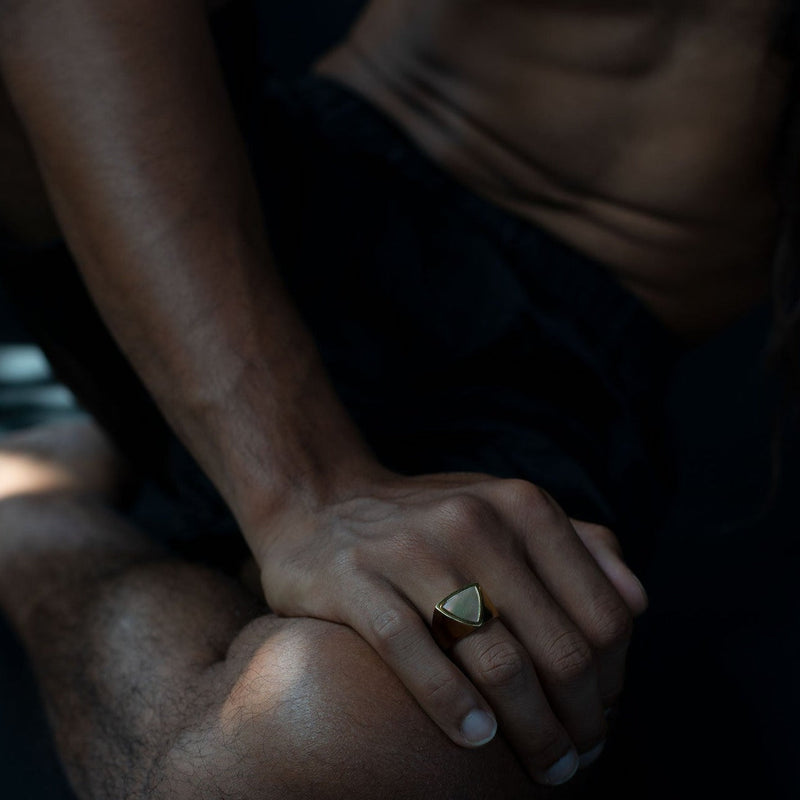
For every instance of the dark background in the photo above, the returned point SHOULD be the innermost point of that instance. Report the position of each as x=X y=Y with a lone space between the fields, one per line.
x=712 y=700
x=28 y=768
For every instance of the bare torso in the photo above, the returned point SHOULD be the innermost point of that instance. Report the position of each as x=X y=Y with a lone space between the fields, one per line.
x=639 y=131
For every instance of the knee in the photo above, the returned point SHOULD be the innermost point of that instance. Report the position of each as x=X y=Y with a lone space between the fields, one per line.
x=304 y=708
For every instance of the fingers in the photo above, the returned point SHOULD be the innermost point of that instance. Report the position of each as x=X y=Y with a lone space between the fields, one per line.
x=605 y=549
x=535 y=668
x=590 y=635
x=399 y=635
x=560 y=653
x=603 y=622
x=497 y=679
x=554 y=662
x=502 y=668
x=554 y=598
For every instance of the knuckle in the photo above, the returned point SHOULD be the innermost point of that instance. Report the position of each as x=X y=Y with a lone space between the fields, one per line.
x=529 y=493
x=521 y=493
x=345 y=561
x=611 y=626
x=464 y=512
x=537 y=504
x=607 y=536
x=603 y=536
x=570 y=657
x=393 y=630
x=441 y=686
x=502 y=665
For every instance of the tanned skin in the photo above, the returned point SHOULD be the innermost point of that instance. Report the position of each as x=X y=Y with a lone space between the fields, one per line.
x=122 y=104
x=642 y=133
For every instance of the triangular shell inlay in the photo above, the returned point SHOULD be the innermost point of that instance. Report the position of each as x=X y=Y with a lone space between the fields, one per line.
x=465 y=605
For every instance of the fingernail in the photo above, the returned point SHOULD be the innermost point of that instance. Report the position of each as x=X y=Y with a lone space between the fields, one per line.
x=563 y=769
x=478 y=728
x=592 y=755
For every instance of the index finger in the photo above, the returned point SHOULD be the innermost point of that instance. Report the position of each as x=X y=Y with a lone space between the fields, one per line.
x=396 y=631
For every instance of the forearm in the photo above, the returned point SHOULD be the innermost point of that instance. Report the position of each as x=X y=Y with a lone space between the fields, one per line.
x=124 y=106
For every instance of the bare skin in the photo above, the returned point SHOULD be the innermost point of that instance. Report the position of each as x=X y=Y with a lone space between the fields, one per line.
x=639 y=132
x=123 y=108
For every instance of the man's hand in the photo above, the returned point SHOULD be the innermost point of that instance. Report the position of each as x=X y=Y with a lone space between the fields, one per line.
x=380 y=560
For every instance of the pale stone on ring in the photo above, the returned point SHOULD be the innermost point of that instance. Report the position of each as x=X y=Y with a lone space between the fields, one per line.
x=461 y=613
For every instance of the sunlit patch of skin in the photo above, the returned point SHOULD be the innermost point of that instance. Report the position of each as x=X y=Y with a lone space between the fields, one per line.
x=275 y=672
x=21 y=474
x=67 y=457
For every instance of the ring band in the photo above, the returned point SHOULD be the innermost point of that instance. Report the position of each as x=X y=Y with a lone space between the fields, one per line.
x=461 y=613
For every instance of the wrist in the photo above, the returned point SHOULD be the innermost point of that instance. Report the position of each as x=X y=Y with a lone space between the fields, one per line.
x=277 y=460
x=292 y=501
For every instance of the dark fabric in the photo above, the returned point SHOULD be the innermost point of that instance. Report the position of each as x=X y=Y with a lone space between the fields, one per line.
x=459 y=336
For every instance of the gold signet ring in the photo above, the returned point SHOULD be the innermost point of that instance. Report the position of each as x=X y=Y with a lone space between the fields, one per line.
x=460 y=614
